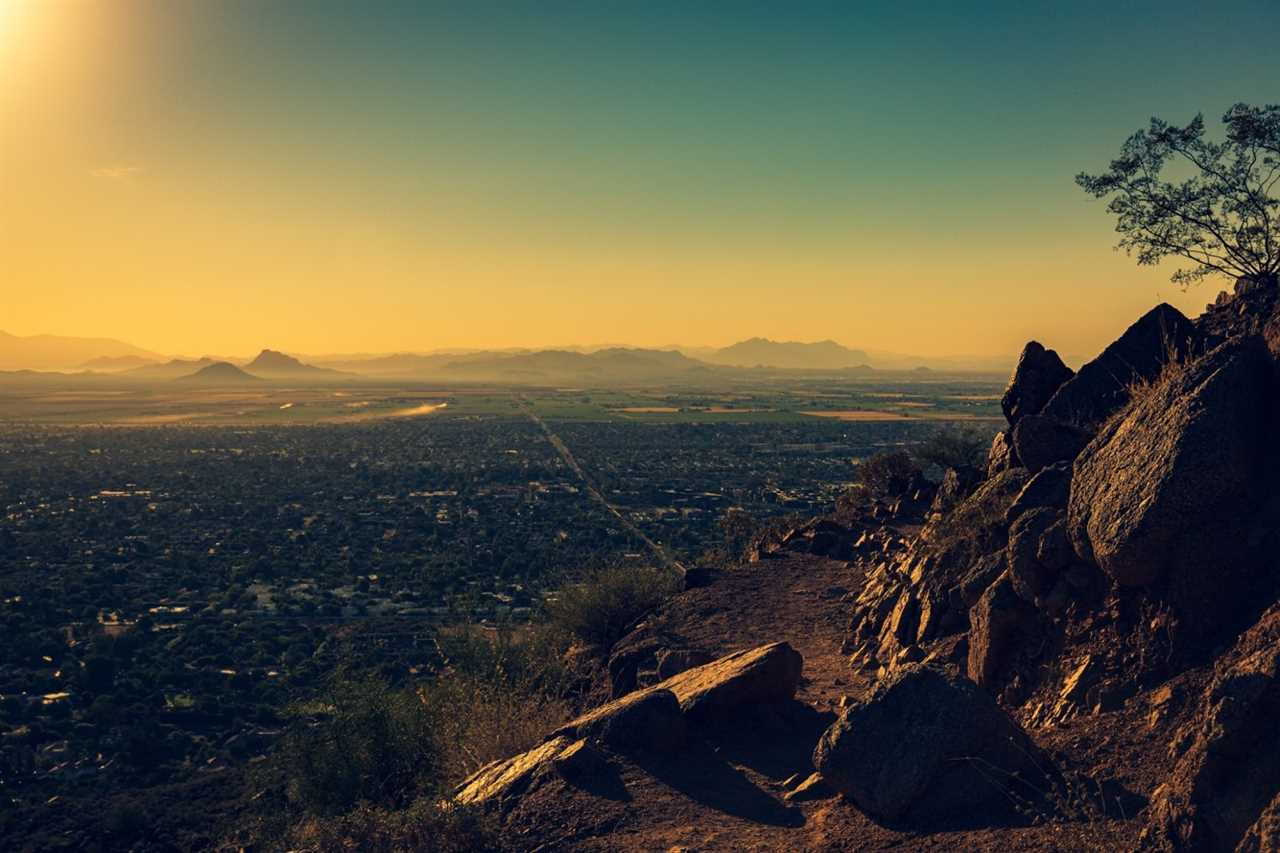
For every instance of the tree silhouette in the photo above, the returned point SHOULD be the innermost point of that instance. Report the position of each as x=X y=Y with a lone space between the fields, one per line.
x=1222 y=215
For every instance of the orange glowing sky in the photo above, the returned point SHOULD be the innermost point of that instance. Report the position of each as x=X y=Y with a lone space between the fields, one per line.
x=323 y=176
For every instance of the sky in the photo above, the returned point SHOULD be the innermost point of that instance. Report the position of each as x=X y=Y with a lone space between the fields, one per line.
x=219 y=176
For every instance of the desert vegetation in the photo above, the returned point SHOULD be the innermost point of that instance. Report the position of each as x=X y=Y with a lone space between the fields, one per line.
x=1223 y=217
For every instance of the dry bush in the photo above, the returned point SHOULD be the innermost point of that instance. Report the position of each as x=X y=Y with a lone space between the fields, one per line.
x=426 y=824
x=480 y=721
x=1176 y=365
x=366 y=766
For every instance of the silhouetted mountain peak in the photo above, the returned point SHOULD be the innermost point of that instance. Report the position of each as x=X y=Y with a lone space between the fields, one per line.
x=821 y=355
x=220 y=372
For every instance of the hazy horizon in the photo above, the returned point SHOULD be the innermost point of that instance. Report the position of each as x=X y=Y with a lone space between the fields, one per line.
x=323 y=177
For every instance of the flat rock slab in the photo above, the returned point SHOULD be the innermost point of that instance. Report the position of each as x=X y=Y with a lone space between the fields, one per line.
x=500 y=780
x=647 y=720
x=762 y=675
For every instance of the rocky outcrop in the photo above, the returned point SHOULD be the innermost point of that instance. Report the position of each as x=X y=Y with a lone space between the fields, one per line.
x=957 y=484
x=1040 y=441
x=642 y=723
x=929 y=747
x=1038 y=374
x=1050 y=487
x=1264 y=835
x=1035 y=555
x=1158 y=488
x=1223 y=788
x=998 y=624
x=1101 y=387
x=1001 y=457
x=821 y=537
x=1250 y=309
x=923 y=593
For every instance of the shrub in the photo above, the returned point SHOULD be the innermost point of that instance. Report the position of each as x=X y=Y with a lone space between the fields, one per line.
x=885 y=473
x=499 y=696
x=954 y=447
x=479 y=721
x=361 y=741
x=599 y=610
x=425 y=824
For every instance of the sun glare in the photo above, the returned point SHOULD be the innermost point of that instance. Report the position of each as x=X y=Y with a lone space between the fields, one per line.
x=9 y=12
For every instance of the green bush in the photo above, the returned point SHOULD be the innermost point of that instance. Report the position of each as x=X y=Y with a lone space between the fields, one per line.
x=954 y=447
x=601 y=609
x=362 y=741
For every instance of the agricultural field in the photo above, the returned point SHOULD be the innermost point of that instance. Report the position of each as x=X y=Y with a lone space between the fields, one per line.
x=894 y=397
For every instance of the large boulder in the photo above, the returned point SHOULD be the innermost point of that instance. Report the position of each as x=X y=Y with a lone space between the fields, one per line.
x=1041 y=441
x=648 y=720
x=1223 y=788
x=1102 y=386
x=1038 y=374
x=1031 y=577
x=764 y=675
x=997 y=624
x=929 y=747
x=1164 y=482
x=1050 y=487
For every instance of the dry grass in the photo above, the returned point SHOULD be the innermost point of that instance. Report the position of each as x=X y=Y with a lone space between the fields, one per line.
x=479 y=721
x=1176 y=366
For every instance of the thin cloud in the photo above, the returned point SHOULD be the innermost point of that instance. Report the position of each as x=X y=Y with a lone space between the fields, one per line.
x=117 y=173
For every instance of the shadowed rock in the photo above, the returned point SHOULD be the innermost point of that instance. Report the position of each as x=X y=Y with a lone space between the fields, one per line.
x=929 y=747
x=1050 y=487
x=1030 y=577
x=1152 y=492
x=996 y=623
x=1038 y=374
x=1102 y=386
x=1001 y=457
x=1041 y=441
x=1223 y=789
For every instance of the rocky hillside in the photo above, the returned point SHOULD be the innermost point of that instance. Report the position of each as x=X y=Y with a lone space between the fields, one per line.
x=1075 y=648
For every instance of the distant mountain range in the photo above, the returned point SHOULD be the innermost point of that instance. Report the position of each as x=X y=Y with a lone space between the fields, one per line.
x=174 y=369
x=615 y=364
x=113 y=363
x=56 y=352
x=561 y=364
x=762 y=352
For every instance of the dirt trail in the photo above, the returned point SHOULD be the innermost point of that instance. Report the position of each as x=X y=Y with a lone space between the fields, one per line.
x=725 y=791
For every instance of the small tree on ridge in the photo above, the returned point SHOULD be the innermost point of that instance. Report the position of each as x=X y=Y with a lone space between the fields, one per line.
x=1224 y=217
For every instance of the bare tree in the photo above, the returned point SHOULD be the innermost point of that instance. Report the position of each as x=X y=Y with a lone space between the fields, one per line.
x=1223 y=216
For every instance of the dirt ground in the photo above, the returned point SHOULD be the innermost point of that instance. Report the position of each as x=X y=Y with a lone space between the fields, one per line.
x=725 y=791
